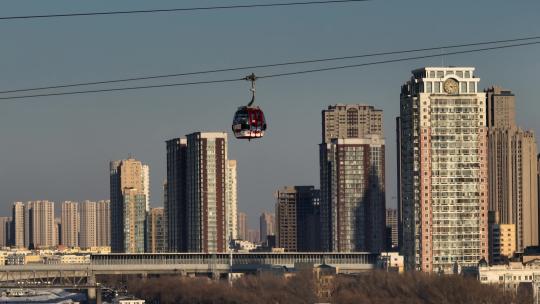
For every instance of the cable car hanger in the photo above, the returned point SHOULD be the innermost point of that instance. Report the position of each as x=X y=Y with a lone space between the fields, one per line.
x=252 y=78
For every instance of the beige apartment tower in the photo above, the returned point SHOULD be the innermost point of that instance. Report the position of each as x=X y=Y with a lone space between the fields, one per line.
x=18 y=225
x=231 y=200
x=512 y=168
x=127 y=177
x=70 y=224
x=103 y=223
x=41 y=228
x=443 y=170
x=88 y=236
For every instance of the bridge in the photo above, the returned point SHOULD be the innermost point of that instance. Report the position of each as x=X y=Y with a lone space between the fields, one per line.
x=83 y=276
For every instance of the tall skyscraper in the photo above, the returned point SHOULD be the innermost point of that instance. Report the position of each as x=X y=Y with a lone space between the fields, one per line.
x=242 y=226
x=146 y=185
x=156 y=230
x=444 y=178
x=134 y=220
x=286 y=224
x=18 y=224
x=352 y=179
x=231 y=201
x=176 y=204
x=308 y=218
x=267 y=222
x=206 y=192
x=42 y=231
x=127 y=194
x=512 y=168
x=5 y=223
x=88 y=225
x=70 y=224
x=391 y=229
x=103 y=223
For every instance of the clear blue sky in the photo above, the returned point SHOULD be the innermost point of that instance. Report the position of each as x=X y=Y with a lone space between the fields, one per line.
x=58 y=148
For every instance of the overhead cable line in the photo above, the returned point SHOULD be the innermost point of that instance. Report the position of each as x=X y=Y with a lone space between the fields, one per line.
x=397 y=60
x=267 y=65
x=273 y=75
x=187 y=9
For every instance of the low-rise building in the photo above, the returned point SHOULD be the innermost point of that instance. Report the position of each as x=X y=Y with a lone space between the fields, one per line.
x=513 y=277
x=392 y=261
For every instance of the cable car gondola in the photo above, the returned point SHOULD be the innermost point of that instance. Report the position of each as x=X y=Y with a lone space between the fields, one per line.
x=249 y=122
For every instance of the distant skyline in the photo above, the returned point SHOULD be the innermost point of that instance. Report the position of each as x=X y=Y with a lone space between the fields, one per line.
x=58 y=148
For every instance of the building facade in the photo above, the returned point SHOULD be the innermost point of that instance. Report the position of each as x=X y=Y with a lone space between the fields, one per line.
x=443 y=169
x=157 y=240
x=242 y=226
x=70 y=224
x=502 y=242
x=286 y=224
x=42 y=232
x=353 y=194
x=267 y=223
x=88 y=226
x=351 y=121
x=5 y=229
x=176 y=202
x=206 y=192
x=134 y=220
x=103 y=223
x=308 y=230
x=127 y=178
x=513 y=189
x=231 y=198
x=352 y=203
x=18 y=224
x=391 y=228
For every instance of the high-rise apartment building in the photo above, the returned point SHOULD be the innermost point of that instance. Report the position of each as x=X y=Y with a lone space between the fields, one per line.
x=70 y=224
x=5 y=223
x=103 y=223
x=512 y=168
x=231 y=200
x=156 y=230
x=298 y=218
x=18 y=224
x=88 y=226
x=443 y=162
x=286 y=225
x=352 y=155
x=134 y=220
x=146 y=185
x=176 y=204
x=242 y=226
x=267 y=223
x=128 y=192
x=391 y=229
x=308 y=219
x=351 y=121
x=41 y=228
x=206 y=192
